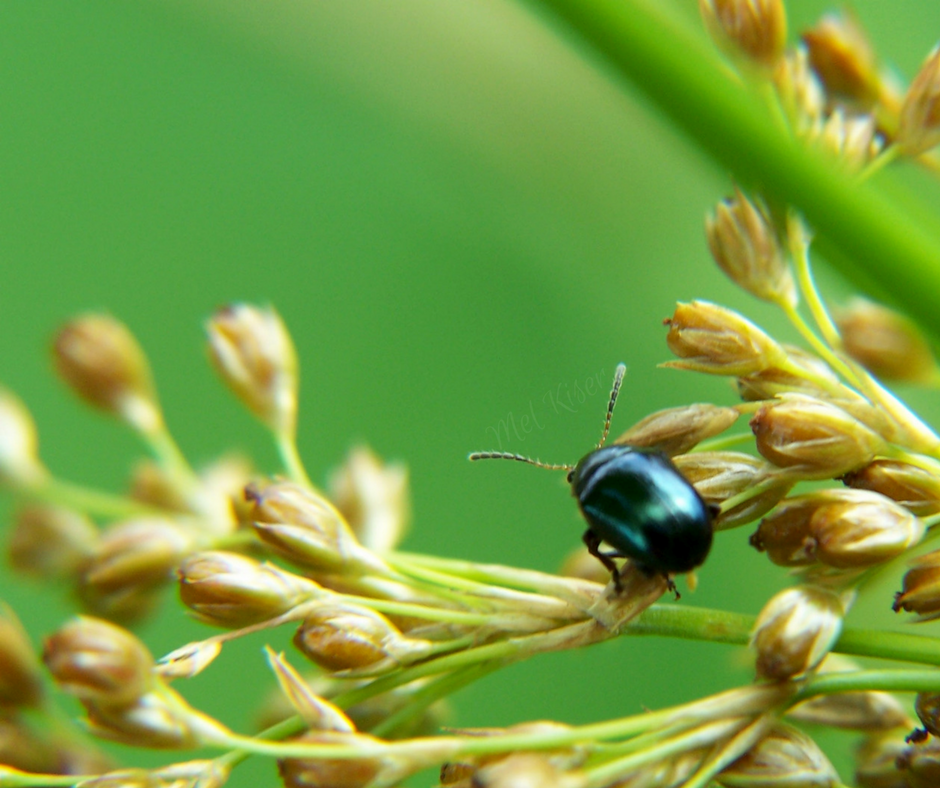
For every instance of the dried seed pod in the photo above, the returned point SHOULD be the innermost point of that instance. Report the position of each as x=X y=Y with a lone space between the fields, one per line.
x=103 y=363
x=457 y=773
x=919 y=125
x=876 y=762
x=20 y=681
x=787 y=533
x=50 y=541
x=857 y=528
x=914 y=488
x=720 y=475
x=785 y=758
x=675 y=431
x=374 y=499
x=331 y=772
x=709 y=338
x=927 y=708
x=154 y=484
x=530 y=769
x=753 y=29
x=795 y=631
x=814 y=438
x=253 y=352
x=234 y=591
x=355 y=640
x=307 y=530
x=95 y=660
x=804 y=373
x=743 y=241
x=920 y=765
x=19 y=443
x=843 y=58
x=131 y=560
x=885 y=342
x=921 y=591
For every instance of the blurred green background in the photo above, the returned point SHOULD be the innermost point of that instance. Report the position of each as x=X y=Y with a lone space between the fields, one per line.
x=459 y=217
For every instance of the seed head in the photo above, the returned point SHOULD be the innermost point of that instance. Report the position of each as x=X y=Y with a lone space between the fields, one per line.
x=677 y=430
x=920 y=765
x=720 y=475
x=888 y=344
x=373 y=497
x=921 y=592
x=19 y=443
x=235 y=591
x=843 y=58
x=50 y=541
x=307 y=530
x=850 y=139
x=355 y=640
x=131 y=560
x=327 y=772
x=914 y=488
x=743 y=241
x=753 y=29
x=816 y=438
x=795 y=631
x=709 y=338
x=254 y=354
x=785 y=758
x=103 y=363
x=787 y=534
x=876 y=761
x=927 y=708
x=95 y=660
x=20 y=682
x=800 y=91
x=919 y=126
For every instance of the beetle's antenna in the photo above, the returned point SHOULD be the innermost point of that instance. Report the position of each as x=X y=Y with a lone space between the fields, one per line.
x=505 y=455
x=618 y=379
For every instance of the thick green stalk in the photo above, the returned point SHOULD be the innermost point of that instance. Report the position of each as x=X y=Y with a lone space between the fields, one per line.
x=675 y=68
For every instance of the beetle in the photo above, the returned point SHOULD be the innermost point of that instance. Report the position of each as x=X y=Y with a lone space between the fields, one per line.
x=637 y=502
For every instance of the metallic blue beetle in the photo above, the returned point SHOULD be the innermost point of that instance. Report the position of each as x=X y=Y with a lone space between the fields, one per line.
x=637 y=502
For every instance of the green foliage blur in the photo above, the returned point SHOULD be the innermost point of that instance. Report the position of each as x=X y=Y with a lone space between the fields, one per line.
x=462 y=220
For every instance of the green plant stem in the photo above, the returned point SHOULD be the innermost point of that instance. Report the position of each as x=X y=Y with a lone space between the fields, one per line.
x=888 y=680
x=645 y=43
x=287 y=450
x=94 y=503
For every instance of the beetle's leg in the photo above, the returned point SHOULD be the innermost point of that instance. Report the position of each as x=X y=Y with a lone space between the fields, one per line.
x=671 y=586
x=593 y=542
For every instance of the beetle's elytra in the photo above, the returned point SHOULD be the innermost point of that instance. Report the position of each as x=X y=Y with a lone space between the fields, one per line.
x=637 y=502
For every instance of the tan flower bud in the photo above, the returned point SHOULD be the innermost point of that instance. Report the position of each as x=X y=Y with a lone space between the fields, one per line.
x=868 y=711
x=720 y=475
x=785 y=758
x=153 y=484
x=842 y=57
x=743 y=241
x=331 y=772
x=374 y=499
x=355 y=640
x=857 y=528
x=851 y=140
x=804 y=374
x=103 y=363
x=787 y=533
x=457 y=773
x=927 y=708
x=254 y=354
x=914 y=488
x=920 y=765
x=710 y=338
x=96 y=660
x=132 y=558
x=919 y=126
x=316 y=712
x=876 y=762
x=160 y=719
x=19 y=443
x=50 y=541
x=677 y=430
x=795 y=631
x=234 y=591
x=529 y=769
x=815 y=438
x=20 y=682
x=307 y=530
x=800 y=91
x=581 y=564
x=921 y=592
x=753 y=29
x=885 y=342
x=22 y=748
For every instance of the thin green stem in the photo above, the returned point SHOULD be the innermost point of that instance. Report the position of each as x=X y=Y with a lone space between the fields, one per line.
x=887 y=680
x=170 y=456
x=290 y=457
x=94 y=503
